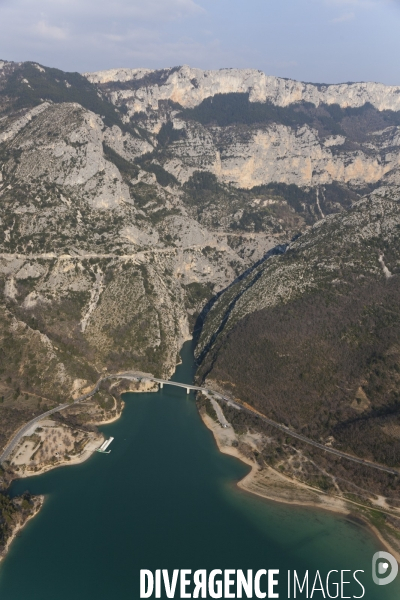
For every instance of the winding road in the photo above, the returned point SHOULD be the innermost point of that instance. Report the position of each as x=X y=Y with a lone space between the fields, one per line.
x=13 y=443
x=283 y=428
x=132 y=375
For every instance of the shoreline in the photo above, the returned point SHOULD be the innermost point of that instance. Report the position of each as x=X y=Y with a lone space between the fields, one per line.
x=272 y=485
x=86 y=453
x=112 y=419
x=39 y=501
x=285 y=487
x=75 y=460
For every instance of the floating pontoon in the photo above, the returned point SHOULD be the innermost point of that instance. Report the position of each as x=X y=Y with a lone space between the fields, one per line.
x=105 y=445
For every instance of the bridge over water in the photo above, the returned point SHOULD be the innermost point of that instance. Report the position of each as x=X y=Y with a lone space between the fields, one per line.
x=246 y=408
x=161 y=382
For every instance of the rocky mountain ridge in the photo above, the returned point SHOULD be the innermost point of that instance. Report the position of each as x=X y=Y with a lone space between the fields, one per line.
x=363 y=240
x=188 y=87
x=101 y=266
x=250 y=129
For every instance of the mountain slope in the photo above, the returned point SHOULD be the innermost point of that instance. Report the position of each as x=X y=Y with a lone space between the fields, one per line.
x=249 y=129
x=312 y=338
x=103 y=262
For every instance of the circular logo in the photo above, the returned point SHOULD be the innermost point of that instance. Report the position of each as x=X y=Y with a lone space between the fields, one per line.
x=384 y=568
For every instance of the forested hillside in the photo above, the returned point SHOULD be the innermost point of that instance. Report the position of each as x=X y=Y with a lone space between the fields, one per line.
x=312 y=338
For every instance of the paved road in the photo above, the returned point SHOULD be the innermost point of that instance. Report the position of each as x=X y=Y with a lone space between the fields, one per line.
x=274 y=424
x=9 y=449
x=219 y=413
x=303 y=438
x=134 y=375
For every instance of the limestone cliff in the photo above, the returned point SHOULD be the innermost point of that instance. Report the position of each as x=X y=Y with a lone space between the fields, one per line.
x=345 y=133
x=188 y=87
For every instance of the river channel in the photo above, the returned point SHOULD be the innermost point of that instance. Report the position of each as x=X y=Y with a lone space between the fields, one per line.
x=165 y=498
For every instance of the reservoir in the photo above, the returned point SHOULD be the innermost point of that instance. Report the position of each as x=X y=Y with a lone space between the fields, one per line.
x=165 y=498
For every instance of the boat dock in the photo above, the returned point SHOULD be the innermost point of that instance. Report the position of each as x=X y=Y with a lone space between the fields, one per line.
x=104 y=446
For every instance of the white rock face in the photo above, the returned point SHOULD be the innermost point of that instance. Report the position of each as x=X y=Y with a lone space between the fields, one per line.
x=189 y=233
x=117 y=75
x=10 y=290
x=189 y=87
x=30 y=271
x=137 y=237
x=281 y=153
x=73 y=158
x=33 y=299
x=264 y=153
x=124 y=144
x=126 y=256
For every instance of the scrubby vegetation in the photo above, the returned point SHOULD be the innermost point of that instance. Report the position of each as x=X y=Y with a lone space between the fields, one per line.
x=114 y=241
x=226 y=109
x=312 y=339
x=308 y=363
x=28 y=85
x=330 y=119
x=275 y=207
x=13 y=512
x=126 y=168
x=321 y=470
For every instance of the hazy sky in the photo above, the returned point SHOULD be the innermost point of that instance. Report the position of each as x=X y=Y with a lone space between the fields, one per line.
x=310 y=40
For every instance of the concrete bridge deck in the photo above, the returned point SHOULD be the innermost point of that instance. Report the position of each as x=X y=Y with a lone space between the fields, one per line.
x=162 y=382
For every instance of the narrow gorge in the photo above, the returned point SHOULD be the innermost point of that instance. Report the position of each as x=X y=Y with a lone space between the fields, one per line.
x=140 y=208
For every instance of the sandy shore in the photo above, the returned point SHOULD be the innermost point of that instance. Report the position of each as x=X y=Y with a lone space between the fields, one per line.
x=266 y=482
x=21 y=460
x=272 y=485
x=111 y=419
x=23 y=457
x=24 y=453
x=77 y=459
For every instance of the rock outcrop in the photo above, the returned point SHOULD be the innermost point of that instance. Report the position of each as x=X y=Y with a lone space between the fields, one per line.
x=189 y=87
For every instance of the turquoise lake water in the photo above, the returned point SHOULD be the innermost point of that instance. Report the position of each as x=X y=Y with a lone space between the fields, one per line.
x=165 y=498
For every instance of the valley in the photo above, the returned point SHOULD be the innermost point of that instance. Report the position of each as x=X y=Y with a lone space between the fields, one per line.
x=141 y=208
